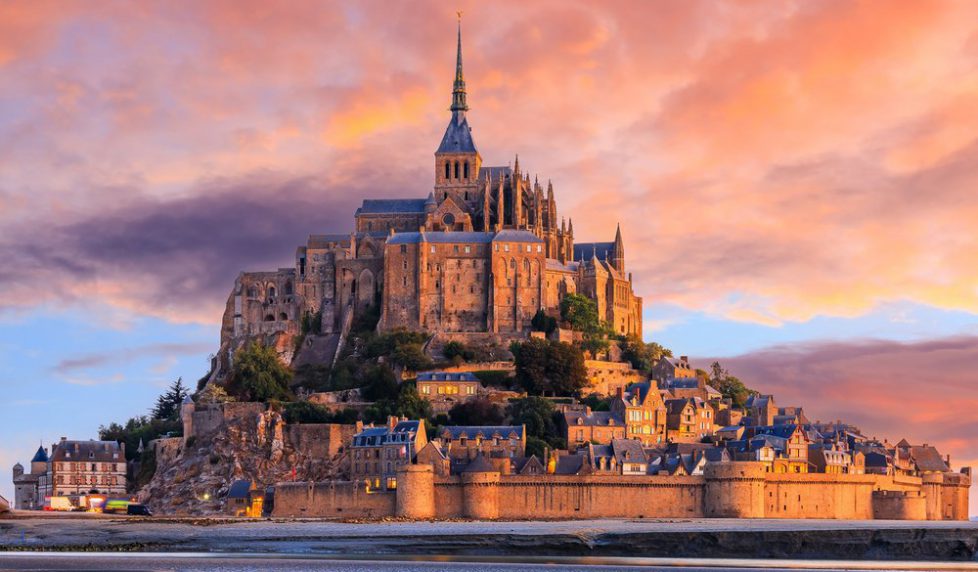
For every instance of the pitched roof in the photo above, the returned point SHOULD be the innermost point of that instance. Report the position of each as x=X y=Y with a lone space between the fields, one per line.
x=628 y=451
x=455 y=432
x=391 y=206
x=495 y=173
x=604 y=418
x=928 y=459
x=458 y=136
x=479 y=465
x=87 y=451
x=510 y=235
x=584 y=250
x=525 y=465
x=570 y=465
x=41 y=456
x=239 y=489
x=441 y=237
x=447 y=376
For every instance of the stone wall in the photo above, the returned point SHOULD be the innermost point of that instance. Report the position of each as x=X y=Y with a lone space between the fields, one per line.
x=606 y=377
x=341 y=499
x=324 y=440
x=727 y=490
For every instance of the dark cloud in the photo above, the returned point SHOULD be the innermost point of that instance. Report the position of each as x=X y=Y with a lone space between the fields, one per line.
x=180 y=255
x=125 y=355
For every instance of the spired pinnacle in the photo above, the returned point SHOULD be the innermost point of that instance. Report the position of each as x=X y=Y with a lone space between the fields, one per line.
x=458 y=90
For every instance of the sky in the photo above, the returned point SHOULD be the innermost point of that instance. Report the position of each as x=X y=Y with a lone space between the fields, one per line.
x=795 y=181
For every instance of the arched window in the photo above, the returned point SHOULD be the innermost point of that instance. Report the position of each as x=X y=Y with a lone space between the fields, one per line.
x=288 y=288
x=283 y=316
x=271 y=291
x=466 y=170
x=456 y=169
x=270 y=318
x=448 y=169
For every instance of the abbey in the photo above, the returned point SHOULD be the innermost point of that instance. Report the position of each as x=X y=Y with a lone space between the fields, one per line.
x=483 y=253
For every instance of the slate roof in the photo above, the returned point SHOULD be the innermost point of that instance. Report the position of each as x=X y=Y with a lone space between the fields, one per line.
x=521 y=464
x=602 y=418
x=447 y=376
x=458 y=137
x=391 y=206
x=495 y=173
x=479 y=465
x=584 y=250
x=239 y=489
x=516 y=236
x=102 y=451
x=554 y=264
x=928 y=459
x=874 y=459
x=570 y=465
x=41 y=456
x=628 y=451
x=486 y=431
x=783 y=431
x=449 y=237
x=675 y=406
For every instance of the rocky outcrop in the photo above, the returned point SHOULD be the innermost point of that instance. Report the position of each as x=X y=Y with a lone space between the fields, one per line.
x=237 y=441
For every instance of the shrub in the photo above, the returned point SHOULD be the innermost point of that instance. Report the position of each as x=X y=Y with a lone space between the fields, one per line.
x=258 y=374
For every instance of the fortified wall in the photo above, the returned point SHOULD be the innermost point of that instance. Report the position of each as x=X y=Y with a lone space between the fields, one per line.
x=725 y=490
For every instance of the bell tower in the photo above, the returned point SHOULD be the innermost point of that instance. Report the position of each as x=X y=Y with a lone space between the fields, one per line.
x=457 y=161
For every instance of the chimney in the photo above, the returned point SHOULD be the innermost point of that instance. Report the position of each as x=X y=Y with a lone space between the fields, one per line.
x=948 y=460
x=391 y=422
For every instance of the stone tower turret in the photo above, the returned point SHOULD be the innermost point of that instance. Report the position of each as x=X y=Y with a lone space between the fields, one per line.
x=618 y=252
x=187 y=409
x=480 y=490
x=39 y=464
x=415 y=491
x=457 y=161
x=18 y=471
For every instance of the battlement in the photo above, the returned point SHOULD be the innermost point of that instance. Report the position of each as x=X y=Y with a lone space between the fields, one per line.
x=726 y=490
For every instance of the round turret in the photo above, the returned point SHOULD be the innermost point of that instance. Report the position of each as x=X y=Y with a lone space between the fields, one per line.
x=18 y=470
x=734 y=490
x=480 y=490
x=415 y=491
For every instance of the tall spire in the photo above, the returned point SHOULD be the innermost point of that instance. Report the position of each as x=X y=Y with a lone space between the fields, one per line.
x=458 y=90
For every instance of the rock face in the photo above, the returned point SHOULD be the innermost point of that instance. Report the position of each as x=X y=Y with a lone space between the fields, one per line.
x=239 y=441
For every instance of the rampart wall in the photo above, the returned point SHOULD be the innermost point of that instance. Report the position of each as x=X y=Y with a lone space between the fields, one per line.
x=726 y=490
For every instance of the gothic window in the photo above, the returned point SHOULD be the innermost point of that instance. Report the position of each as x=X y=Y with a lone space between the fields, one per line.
x=270 y=318
x=466 y=175
x=271 y=291
x=448 y=167
x=456 y=169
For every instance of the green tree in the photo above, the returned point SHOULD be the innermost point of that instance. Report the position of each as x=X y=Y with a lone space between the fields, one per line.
x=729 y=386
x=581 y=313
x=411 y=356
x=543 y=323
x=477 y=411
x=407 y=404
x=258 y=375
x=642 y=355
x=213 y=393
x=379 y=383
x=548 y=366
x=168 y=403
x=537 y=414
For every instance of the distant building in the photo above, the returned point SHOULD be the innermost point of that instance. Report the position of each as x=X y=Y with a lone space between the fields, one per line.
x=29 y=488
x=689 y=419
x=446 y=389
x=82 y=467
x=592 y=427
x=671 y=368
x=377 y=452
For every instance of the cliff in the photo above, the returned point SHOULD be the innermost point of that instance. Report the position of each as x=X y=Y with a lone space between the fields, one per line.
x=227 y=442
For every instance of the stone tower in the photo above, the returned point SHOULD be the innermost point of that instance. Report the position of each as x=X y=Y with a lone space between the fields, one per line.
x=618 y=253
x=457 y=161
x=39 y=464
x=187 y=409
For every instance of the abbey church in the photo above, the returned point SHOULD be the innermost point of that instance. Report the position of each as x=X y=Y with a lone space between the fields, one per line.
x=482 y=253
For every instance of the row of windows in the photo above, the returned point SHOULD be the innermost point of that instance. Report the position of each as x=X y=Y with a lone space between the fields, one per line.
x=460 y=170
x=448 y=390
x=91 y=480
x=93 y=467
